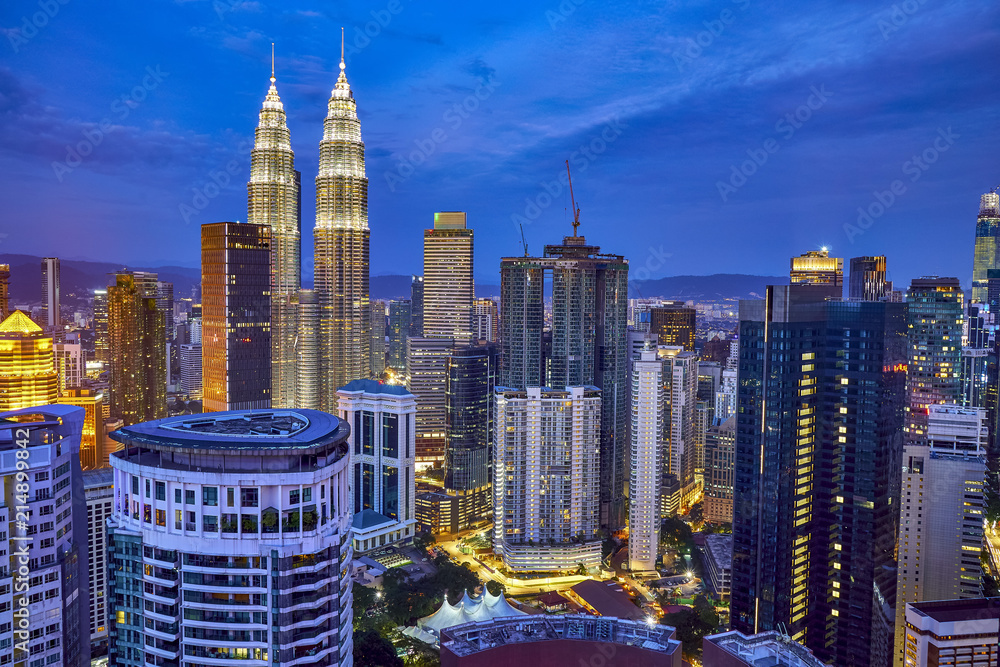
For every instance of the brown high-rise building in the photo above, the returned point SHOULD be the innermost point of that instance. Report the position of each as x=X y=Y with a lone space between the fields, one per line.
x=51 y=293
x=137 y=350
x=674 y=324
x=449 y=288
x=28 y=375
x=4 y=291
x=341 y=248
x=236 y=316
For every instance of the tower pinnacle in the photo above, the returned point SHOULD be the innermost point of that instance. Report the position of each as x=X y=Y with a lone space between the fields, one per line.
x=272 y=62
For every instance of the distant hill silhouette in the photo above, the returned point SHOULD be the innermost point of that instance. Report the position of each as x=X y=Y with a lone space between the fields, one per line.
x=715 y=286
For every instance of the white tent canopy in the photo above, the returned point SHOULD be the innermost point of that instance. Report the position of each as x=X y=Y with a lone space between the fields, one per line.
x=486 y=607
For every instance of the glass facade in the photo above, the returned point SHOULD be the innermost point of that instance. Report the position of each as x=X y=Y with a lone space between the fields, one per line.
x=987 y=251
x=138 y=386
x=819 y=437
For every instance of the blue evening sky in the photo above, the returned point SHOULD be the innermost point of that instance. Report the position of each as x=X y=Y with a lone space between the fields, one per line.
x=475 y=106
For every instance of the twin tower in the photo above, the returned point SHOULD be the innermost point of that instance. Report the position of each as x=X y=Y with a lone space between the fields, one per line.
x=320 y=338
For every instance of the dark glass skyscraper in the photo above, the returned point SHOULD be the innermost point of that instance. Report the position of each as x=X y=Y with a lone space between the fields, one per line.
x=416 y=307
x=136 y=326
x=819 y=438
x=867 y=281
x=236 y=312
x=589 y=346
x=987 y=253
x=472 y=373
x=398 y=332
x=674 y=324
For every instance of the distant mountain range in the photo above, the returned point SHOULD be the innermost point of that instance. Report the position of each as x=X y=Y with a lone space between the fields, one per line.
x=705 y=288
x=80 y=277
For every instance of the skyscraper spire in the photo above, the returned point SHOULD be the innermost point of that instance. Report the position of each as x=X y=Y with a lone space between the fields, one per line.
x=341 y=247
x=273 y=200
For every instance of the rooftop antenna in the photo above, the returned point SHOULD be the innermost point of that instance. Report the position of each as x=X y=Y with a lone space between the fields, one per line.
x=341 y=46
x=272 y=62
x=576 y=211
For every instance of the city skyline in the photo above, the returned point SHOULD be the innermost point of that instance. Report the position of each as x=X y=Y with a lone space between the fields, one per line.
x=658 y=78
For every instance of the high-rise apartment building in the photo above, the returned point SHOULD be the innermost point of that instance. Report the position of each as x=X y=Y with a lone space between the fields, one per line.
x=230 y=539
x=427 y=379
x=952 y=632
x=382 y=441
x=647 y=456
x=935 y=349
x=868 y=279
x=308 y=350
x=486 y=320
x=70 y=362
x=378 y=340
x=191 y=356
x=93 y=444
x=941 y=510
x=674 y=324
x=236 y=314
x=138 y=384
x=987 y=251
x=98 y=487
x=417 y=306
x=680 y=374
x=720 y=462
x=819 y=438
x=101 y=326
x=449 y=287
x=4 y=291
x=469 y=393
x=341 y=248
x=816 y=267
x=28 y=374
x=45 y=598
x=545 y=478
x=51 y=297
x=725 y=396
x=273 y=200
x=588 y=341
x=398 y=332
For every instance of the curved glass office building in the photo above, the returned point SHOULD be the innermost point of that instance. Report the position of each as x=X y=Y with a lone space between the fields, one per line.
x=230 y=539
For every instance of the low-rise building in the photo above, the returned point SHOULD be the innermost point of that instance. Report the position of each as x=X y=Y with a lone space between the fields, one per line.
x=605 y=598
x=718 y=552
x=952 y=632
x=572 y=639
x=735 y=649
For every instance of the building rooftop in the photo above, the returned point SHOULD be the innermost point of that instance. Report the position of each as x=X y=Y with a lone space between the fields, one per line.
x=474 y=637
x=948 y=611
x=93 y=479
x=375 y=387
x=366 y=519
x=721 y=549
x=237 y=430
x=18 y=323
x=607 y=599
x=767 y=649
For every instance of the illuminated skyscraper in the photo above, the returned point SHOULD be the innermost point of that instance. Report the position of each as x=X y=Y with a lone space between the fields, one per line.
x=101 y=325
x=398 y=332
x=448 y=283
x=93 y=451
x=818 y=268
x=341 y=248
x=138 y=384
x=588 y=342
x=378 y=339
x=307 y=349
x=50 y=292
x=935 y=349
x=819 y=439
x=867 y=280
x=426 y=379
x=647 y=459
x=28 y=376
x=674 y=324
x=987 y=254
x=273 y=200
x=486 y=320
x=236 y=313
x=416 y=306
x=4 y=291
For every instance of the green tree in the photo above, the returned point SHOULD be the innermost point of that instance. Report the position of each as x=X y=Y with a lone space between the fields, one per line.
x=693 y=624
x=495 y=587
x=373 y=650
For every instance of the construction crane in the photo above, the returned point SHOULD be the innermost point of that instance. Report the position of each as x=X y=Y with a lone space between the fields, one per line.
x=523 y=242
x=572 y=199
